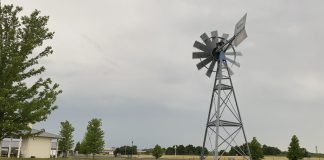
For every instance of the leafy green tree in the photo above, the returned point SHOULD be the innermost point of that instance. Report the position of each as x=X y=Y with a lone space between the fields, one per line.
x=157 y=151
x=236 y=150
x=66 y=140
x=190 y=149
x=128 y=150
x=93 y=141
x=181 y=150
x=21 y=48
x=199 y=149
x=256 y=150
x=268 y=150
x=232 y=151
x=77 y=147
x=223 y=152
x=134 y=150
x=305 y=152
x=116 y=152
x=294 y=151
x=83 y=147
x=163 y=150
x=169 y=151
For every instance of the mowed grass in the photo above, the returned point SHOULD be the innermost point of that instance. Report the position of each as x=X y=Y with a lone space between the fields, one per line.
x=194 y=157
x=147 y=157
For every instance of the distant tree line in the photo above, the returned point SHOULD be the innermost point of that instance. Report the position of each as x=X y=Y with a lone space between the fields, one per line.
x=185 y=150
x=254 y=145
x=256 y=149
x=179 y=149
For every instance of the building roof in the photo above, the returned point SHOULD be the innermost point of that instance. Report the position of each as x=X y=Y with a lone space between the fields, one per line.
x=44 y=134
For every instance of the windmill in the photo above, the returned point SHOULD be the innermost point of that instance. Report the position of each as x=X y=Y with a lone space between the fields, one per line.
x=224 y=127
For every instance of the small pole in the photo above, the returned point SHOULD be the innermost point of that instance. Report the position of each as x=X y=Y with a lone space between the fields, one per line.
x=317 y=153
x=9 y=149
x=57 y=141
x=175 y=150
x=0 y=142
x=132 y=150
x=19 y=147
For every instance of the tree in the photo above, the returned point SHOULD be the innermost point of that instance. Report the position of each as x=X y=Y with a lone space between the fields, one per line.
x=128 y=150
x=157 y=151
x=66 y=140
x=83 y=147
x=256 y=150
x=305 y=152
x=268 y=150
x=237 y=150
x=116 y=152
x=294 y=151
x=77 y=147
x=190 y=149
x=169 y=151
x=21 y=41
x=93 y=141
x=181 y=150
x=199 y=150
x=223 y=152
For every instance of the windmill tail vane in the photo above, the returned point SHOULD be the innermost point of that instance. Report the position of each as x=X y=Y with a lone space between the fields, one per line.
x=224 y=129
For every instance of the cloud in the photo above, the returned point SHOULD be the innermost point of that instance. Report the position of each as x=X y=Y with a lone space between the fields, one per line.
x=129 y=63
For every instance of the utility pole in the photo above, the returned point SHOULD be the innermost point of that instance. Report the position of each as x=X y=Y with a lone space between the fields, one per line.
x=317 y=153
x=132 y=150
x=175 y=150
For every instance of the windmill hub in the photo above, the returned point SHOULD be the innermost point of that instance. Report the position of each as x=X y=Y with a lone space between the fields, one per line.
x=215 y=54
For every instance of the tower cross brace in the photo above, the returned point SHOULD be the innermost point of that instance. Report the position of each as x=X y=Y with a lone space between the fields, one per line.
x=224 y=122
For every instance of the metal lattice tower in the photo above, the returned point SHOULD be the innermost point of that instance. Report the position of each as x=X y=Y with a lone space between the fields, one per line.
x=224 y=128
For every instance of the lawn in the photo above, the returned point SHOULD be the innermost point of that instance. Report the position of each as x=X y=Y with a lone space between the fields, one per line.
x=147 y=157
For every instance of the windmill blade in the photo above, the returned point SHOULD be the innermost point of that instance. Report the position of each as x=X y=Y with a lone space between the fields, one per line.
x=211 y=68
x=204 y=62
x=233 y=62
x=202 y=47
x=200 y=55
x=214 y=35
x=234 y=53
x=206 y=39
x=225 y=36
x=230 y=71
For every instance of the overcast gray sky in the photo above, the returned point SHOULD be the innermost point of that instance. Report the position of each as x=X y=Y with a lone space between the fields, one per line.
x=129 y=63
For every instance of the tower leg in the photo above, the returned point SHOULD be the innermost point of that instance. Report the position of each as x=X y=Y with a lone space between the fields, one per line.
x=222 y=127
x=239 y=114
x=202 y=156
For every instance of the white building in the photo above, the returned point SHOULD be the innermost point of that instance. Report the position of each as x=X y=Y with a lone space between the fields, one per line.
x=38 y=146
x=109 y=151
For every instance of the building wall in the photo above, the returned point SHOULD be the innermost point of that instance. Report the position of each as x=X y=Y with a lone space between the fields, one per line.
x=39 y=147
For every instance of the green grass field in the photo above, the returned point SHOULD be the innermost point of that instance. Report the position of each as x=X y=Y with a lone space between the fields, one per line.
x=146 y=157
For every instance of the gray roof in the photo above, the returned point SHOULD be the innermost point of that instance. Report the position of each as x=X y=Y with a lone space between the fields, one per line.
x=45 y=134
